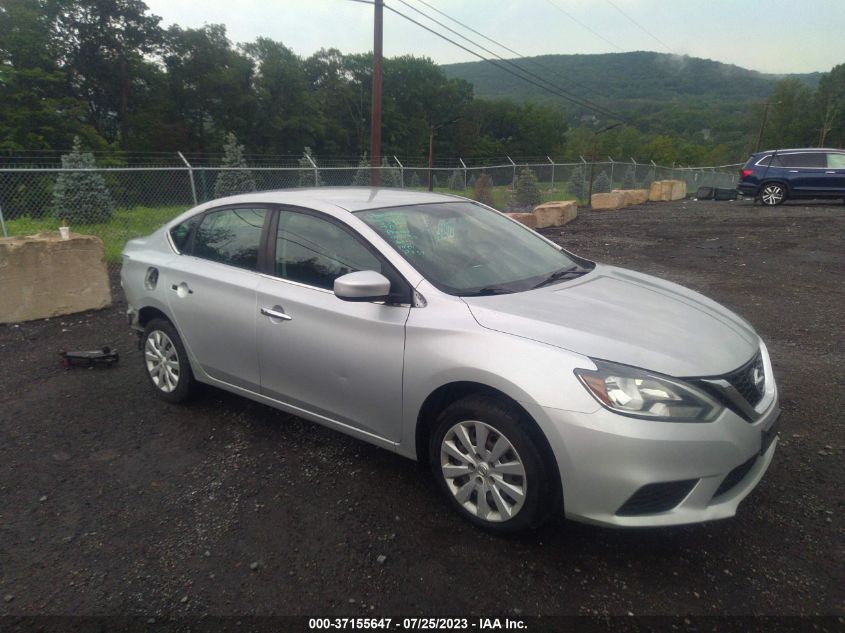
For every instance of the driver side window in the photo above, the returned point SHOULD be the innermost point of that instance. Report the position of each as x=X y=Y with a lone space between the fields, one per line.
x=315 y=252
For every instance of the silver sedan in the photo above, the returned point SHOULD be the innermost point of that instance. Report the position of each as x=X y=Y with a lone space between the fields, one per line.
x=532 y=381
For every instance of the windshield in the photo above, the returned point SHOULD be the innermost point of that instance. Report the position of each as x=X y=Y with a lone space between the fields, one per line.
x=466 y=249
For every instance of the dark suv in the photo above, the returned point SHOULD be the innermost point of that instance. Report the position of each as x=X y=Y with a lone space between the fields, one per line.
x=777 y=175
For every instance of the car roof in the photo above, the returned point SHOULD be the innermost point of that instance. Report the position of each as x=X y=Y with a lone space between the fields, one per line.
x=800 y=149
x=347 y=198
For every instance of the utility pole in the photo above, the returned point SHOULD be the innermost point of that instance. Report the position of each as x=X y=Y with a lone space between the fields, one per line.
x=375 y=115
x=430 y=156
x=763 y=124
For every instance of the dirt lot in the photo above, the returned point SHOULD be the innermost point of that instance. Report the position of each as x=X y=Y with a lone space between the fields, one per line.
x=114 y=502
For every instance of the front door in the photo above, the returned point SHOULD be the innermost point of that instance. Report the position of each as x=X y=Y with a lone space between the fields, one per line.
x=211 y=292
x=340 y=360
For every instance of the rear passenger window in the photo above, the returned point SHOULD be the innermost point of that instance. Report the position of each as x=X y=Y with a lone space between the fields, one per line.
x=771 y=161
x=315 y=252
x=804 y=159
x=179 y=233
x=836 y=161
x=231 y=236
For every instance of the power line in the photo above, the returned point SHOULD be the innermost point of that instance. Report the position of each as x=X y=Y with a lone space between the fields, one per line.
x=555 y=91
x=499 y=44
x=578 y=22
x=642 y=28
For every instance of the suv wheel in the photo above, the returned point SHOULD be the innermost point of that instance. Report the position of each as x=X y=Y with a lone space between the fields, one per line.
x=488 y=465
x=772 y=194
x=167 y=362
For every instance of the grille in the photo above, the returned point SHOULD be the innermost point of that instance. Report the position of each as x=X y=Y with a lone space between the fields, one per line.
x=659 y=497
x=743 y=380
x=734 y=477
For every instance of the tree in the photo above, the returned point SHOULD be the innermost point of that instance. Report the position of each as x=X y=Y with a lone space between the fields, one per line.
x=362 y=174
x=456 y=180
x=389 y=176
x=483 y=190
x=308 y=175
x=81 y=197
x=830 y=107
x=103 y=44
x=575 y=184
x=527 y=194
x=601 y=183
x=236 y=178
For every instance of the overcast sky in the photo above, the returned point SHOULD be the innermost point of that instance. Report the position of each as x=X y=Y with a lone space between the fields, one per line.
x=776 y=36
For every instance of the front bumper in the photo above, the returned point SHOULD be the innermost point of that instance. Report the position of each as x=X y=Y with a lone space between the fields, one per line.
x=604 y=459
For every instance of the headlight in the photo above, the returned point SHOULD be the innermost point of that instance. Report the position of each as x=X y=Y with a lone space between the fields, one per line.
x=641 y=394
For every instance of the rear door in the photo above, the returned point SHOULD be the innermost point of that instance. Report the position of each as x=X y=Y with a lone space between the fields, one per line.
x=338 y=359
x=835 y=174
x=211 y=292
x=805 y=172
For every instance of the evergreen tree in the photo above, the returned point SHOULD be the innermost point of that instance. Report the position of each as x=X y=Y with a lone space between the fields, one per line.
x=527 y=193
x=237 y=179
x=308 y=176
x=362 y=174
x=81 y=197
x=415 y=181
x=575 y=184
x=456 y=180
x=629 y=178
x=601 y=183
x=389 y=175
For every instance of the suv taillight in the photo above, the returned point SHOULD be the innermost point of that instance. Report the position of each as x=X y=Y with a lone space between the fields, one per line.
x=745 y=173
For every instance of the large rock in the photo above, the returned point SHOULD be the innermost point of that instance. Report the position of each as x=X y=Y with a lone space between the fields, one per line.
x=44 y=276
x=606 y=201
x=528 y=219
x=633 y=196
x=666 y=190
x=555 y=213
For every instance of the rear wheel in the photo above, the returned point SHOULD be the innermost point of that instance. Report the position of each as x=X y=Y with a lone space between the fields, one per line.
x=166 y=362
x=772 y=194
x=487 y=462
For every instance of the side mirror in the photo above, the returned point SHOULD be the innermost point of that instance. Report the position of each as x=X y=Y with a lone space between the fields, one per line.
x=363 y=285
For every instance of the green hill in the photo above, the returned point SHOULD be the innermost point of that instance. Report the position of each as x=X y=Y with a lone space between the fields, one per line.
x=624 y=80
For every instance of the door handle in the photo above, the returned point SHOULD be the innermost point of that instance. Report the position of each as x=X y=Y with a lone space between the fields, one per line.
x=182 y=289
x=276 y=312
x=793 y=171
x=830 y=172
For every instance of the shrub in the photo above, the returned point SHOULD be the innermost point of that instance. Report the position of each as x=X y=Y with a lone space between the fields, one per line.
x=81 y=197
x=527 y=194
x=483 y=190
x=308 y=176
x=238 y=179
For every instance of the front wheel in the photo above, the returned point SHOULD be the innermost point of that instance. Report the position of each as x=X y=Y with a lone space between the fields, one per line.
x=166 y=362
x=488 y=464
x=772 y=194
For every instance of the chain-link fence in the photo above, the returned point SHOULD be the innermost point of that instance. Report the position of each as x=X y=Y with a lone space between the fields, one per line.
x=120 y=203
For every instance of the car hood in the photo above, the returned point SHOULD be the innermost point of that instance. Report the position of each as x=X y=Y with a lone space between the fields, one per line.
x=626 y=317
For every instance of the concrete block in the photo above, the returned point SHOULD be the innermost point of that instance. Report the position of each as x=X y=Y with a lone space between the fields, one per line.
x=666 y=190
x=633 y=196
x=555 y=213
x=606 y=201
x=528 y=219
x=45 y=276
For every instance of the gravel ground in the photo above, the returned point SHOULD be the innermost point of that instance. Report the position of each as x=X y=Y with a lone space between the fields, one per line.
x=112 y=502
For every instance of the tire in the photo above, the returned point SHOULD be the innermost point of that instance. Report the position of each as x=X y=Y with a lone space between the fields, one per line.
x=772 y=194
x=166 y=362
x=519 y=485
